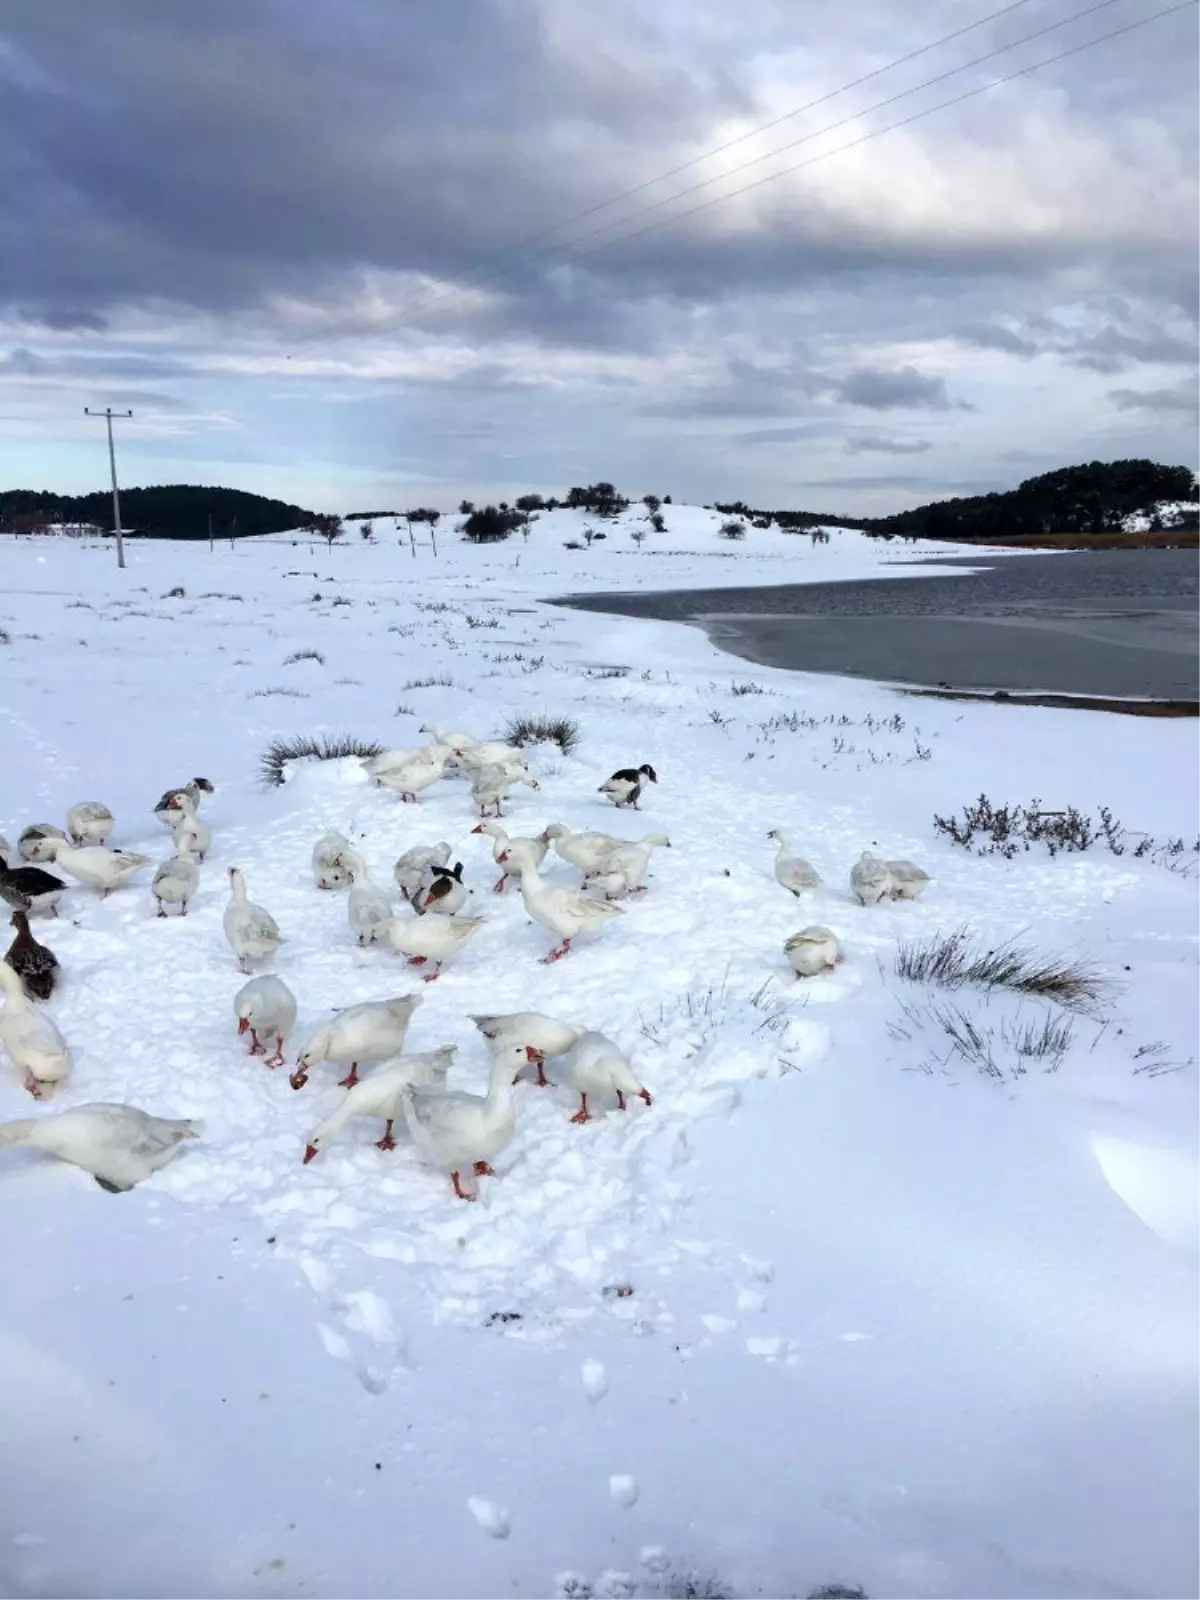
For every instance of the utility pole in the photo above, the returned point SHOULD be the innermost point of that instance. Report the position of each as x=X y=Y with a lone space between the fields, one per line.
x=108 y=414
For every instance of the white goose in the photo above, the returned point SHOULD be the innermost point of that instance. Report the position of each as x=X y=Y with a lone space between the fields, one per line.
x=90 y=822
x=394 y=760
x=435 y=939
x=538 y=1035
x=368 y=909
x=583 y=850
x=266 y=1009
x=31 y=1038
x=252 y=931
x=492 y=784
x=412 y=869
x=870 y=880
x=409 y=780
x=370 y=1031
x=793 y=872
x=455 y=741
x=462 y=1132
x=908 y=880
x=566 y=912
x=177 y=880
x=597 y=1066
x=329 y=869
x=34 y=844
x=622 y=870
x=186 y=822
x=95 y=866
x=118 y=1145
x=813 y=950
x=472 y=757
x=511 y=854
x=379 y=1096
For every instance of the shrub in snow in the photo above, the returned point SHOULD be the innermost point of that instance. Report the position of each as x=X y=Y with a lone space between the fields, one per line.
x=561 y=731
x=732 y=530
x=319 y=748
x=491 y=524
x=958 y=959
x=1006 y=830
x=303 y=655
x=658 y=522
x=1004 y=1045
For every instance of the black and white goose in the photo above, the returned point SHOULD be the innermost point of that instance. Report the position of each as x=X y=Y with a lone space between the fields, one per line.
x=168 y=813
x=33 y=963
x=446 y=894
x=625 y=787
x=30 y=888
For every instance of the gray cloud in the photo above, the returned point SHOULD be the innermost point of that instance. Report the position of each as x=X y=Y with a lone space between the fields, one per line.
x=882 y=444
x=1184 y=397
x=902 y=388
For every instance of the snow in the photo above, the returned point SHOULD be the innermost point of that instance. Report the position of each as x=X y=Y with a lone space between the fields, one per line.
x=839 y=1307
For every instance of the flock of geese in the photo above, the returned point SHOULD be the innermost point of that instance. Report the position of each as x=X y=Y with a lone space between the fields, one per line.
x=456 y=1132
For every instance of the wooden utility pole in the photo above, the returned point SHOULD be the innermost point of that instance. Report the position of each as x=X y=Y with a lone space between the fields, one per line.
x=108 y=414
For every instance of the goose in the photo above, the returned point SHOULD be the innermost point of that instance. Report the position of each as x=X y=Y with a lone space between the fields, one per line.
x=373 y=1030
x=266 y=1009
x=597 y=1066
x=410 y=870
x=194 y=790
x=90 y=823
x=870 y=880
x=538 y=1035
x=908 y=880
x=566 y=912
x=455 y=741
x=118 y=1145
x=186 y=821
x=394 y=760
x=434 y=939
x=379 y=1096
x=329 y=869
x=793 y=872
x=813 y=950
x=582 y=850
x=30 y=888
x=471 y=757
x=408 y=781
x=621 y=871
x=177 y=880
x=31 y=1038
x=368 y=909
x=490 y=784
x=445 y=892
x=624 y=788
x=252 y=932
x=509 y=853
x=462 y=1132
x=33 y=963
x=97 y=867
x=34 y=840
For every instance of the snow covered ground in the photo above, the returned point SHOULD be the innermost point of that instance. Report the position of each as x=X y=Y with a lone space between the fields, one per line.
x=895 y=1321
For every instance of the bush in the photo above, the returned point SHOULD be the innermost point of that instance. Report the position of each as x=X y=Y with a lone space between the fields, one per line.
x=320 y=748
x=732 y=530
x=530 y=502
x=491 y=525
x=651 y=503
x=1006 y=830
x=561 y=731
x=465 y=507
x=303 y=655
x=600 y=498
x=658 y=522
x=426 y=683
x=955 y=960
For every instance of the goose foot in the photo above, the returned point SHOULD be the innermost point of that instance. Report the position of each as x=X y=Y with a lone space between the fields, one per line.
x=462 y=1193
x=500 y=883
x=483 y=1170
x=417 y=961
x=387 y=1142
x=351 y=1077
x=161 y=912
x=620 y=1100
x=644 y=1094
x=582 y=1115
x=431 y=977
x=559 y=951
x=256 y=1048
x=277 y=1059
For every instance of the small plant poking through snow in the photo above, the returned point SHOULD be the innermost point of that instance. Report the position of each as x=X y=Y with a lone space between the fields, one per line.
x=178 y=593
x=1007 y=830
x=1005 y=1049
x=692 y=1586
x=956 y=960
x=320 y=748
x=303 y=655
x=561 y=731
x=746 y=688
x=280 y=693
x=481 y=622
x=426 y=683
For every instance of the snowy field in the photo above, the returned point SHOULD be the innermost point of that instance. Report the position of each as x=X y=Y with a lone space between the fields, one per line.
x=897 y=1319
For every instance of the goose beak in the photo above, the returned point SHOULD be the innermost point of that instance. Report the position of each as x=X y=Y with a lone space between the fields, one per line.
x=243 y=1024
x=310 y=1150
x=298 y=1078
x=478 y=828
x=503 y=857
x=533 y=1055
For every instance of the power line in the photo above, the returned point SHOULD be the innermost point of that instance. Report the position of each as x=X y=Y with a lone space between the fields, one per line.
x=108 y=414
x=1020 y=72
x=420 y=306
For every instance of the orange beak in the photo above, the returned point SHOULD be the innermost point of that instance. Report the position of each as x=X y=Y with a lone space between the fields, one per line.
x=243 y=1024
x=478 y=828
x=310 y=1150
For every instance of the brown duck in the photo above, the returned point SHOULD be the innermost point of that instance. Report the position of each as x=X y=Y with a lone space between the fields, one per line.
x=36 y=966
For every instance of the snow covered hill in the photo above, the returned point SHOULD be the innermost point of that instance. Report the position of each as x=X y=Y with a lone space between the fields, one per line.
x=892 y=1285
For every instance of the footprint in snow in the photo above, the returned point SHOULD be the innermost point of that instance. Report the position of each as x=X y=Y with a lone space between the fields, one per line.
x=595 y=1380
x=493 y=1519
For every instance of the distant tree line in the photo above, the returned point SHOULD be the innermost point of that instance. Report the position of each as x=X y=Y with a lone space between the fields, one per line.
x=161 y=511
x=1095 y=497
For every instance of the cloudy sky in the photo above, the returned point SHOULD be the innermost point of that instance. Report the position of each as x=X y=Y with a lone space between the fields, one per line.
x=370 y=253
